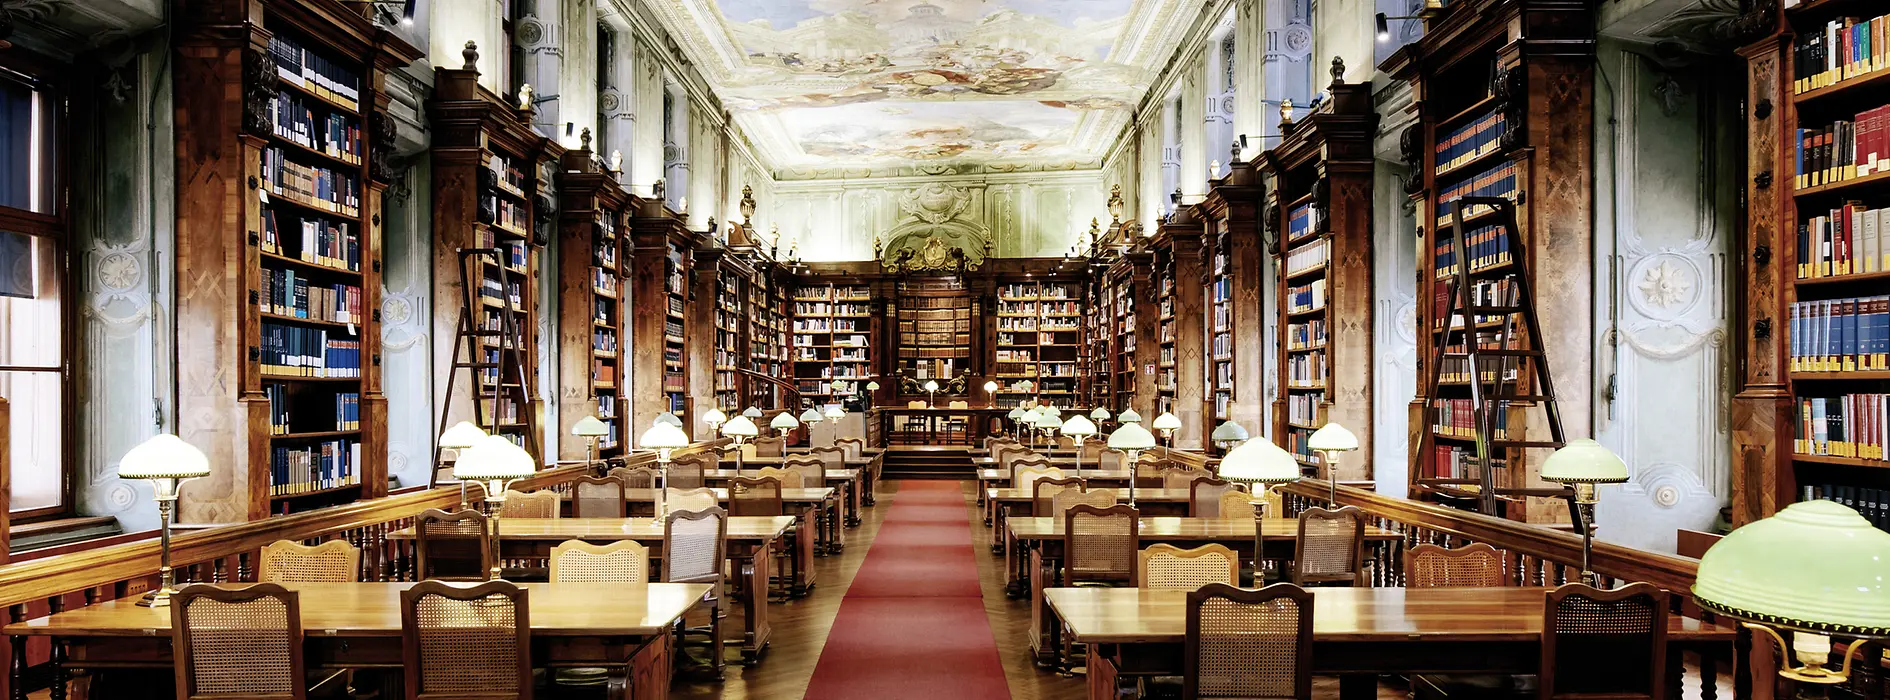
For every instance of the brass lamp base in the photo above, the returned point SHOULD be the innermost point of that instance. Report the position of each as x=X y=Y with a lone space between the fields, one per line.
x=160 y=598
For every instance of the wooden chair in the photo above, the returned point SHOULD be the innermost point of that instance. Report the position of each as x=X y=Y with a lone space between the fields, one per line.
x=1330 y=547
x=1109 y=460
x=623 y=561
x=1623 y=630
x=598 y=497
x=1183 y=477
x=748 y=497
x=1204 y=496
x=1100 y=544
x=1028 y=460
x=1248 y=643
x=702 y=498
x=334 y=561
x=532 y=504
x=1168 y=566
x=686 y=472
x=1474 y=566
x=1236 y=505
x=454 y=546
x=695 y=545
x=789 y=479
x=1028 y=475
x=812 y=469
x=635 y=477
x=832 y=457
x=460 y=643
x=769 y=446
x=1063 y=500
x=1008 y=452
x=241 y=643
x=1043 y=493
x=854 y=448
x=993 y=445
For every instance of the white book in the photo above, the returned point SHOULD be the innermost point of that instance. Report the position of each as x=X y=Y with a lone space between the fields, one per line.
x=1867 y=242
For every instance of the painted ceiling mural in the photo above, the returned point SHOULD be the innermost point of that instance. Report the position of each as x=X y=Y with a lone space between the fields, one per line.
x=831 y=83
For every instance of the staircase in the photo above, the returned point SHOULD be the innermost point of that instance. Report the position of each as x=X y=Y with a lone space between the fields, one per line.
x=926 y=462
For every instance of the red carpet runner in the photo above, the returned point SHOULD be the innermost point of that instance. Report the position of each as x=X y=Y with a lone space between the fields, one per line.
x=912 y=625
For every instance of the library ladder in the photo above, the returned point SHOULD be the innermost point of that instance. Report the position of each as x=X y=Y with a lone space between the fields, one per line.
x=467 y=358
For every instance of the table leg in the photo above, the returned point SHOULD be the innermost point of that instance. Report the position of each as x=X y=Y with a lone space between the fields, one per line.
x=1709 y=674
x=870 y=475
x=853 y=501
x=1358 y=686
x=61 y=677
x=834 y=545
x=16 y=675
x=998 y=513
x=755 y=630
x=806 y=532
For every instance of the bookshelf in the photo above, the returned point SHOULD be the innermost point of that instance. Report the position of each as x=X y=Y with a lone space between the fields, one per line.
x=1098 y=325
x=733 y=280
x=1234 y=384
x=285 y=302
x=768 y=354
x=832 y=341
x=662 y=262
x=762 y=328
x=1040 y=339
x=1180 y=369
x=1483 y=69
x=1133 y=328
x=934 y=328
x=1321 y=191
x=1810 y=413
x=591 y=290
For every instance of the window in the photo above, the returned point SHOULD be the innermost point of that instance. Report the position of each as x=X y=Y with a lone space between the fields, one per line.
x=35 y=376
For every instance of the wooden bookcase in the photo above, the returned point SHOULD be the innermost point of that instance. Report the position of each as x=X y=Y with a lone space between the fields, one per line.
x=1098 y=336
x=762 y=326
x=662 y=260
x=593 y=213
x=487 y=169
x=1320 y=198
x=281 y=169
x=1131 y=292
x=1039 y=338
x=832 y=341
x=1505 y=104
x=1180 y=281
x=1807 y=390
x=1233 y=301
x=934 y=333
x=733 y=279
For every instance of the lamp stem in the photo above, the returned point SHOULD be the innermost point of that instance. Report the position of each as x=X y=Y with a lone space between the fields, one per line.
x=498 y=509
x=1587 y=525
x=739 y=461
x=662 y=484
x=167 y=579
x=592 y=465
x=1332 y=477
x=1079 y=456
x=1133 y=472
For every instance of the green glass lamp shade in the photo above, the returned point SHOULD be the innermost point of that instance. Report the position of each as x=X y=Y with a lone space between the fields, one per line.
x=784 y=421
x=990 y=387
x=1078 y=426
x=1054 y=412
x=668 y=418
x=1814 y=566
x=461 y=436
x=1032 y=414
x=1582 y=461
x=834 y=412
x=741 y=426
x=1259 y=462
x=589 y=426
x=1100 y=414
x=164 y=456
x=663 y=436
x=1131 y=436
x=872 y=386
x=810 y=416
x=753 y=412
x=1046 y=421
x=494 y=458
x=1016 y=413
x=1129 y=416
x=1229 y=431
x=931 y=385
x=1332 y=438
x=715 y=416
x=1166 y=421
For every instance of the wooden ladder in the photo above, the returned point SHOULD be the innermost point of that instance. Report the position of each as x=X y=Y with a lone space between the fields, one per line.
x=467 y=357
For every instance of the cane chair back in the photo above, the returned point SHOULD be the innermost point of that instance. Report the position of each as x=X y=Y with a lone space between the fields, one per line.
x=1204 y=496
x=635 y=477
x=466 y=642
x=1622 y=630
x=769 y=446
x=1109 y=460
x=454 y=546
x=1474 y=566
x=1043 y=492
x=916 y=404
x=1168 y=566
x=623 y=561
x=754 y=497
x=1065 y=442
x=334 y=561
x=1030 y=460
x=1248 y=643
x=1063 y=500
x=789 y=479
x=812 y=469
x=694 y=546
x=1027 y=476
x=1099 y=544
x=996 y=446
x=1330 y=547
x=833 y=457
x=1094 y=448
x=1183 y=477
x=1008 y=453
x=675 y=499
x=243 y=643
x=958 y=404
x=531 y=504
x=686 y=472
x=854 y=448
x=598 y=497
x=1236 y=505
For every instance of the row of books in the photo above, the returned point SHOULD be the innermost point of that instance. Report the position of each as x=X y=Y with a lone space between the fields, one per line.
x=317 y=240
x=850 y=354
x=292 y=351
x=324 y=465
x=932 y=367
x=934 y=339
x=1497 y=181
x=603 y=310
x=334 y=135
x=673 y=329
x=297 y=65
x=324 y=188
x=604 y=255
x=1840 y=335
x=1845 y=150
x=1224 y=375
x=604 y=340
x=1221 y=290
x=1470 y=141
x=1220 y=318
x=503 y=292
x=1457 y=418
x=1303 y=409
x=1311 y=334
x=603 y=373
x=934 y=326
x=673 y=281
x=1850 y=425
x=839 y=371
x=826 y=388
x=1221 y=346
x=1456 y=370
x=510 y=215
x=1872 y=503
x=288 y=293
x=1302 y=221
x=1306 y=297
x=1309 y=256
x=604 y=281
x=1015 y=355
x=512 y=253
x=1497 y=292
x=1456 y=462
x=346 y=416
x=1485 y=247
x=821 y=325
x=831 y=293
x=1306 y=370
x=507 y=175
x=1851 y=239
x=821 y=308
x=1849 y=47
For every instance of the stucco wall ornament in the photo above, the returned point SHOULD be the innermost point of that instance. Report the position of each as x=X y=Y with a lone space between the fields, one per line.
x=936 y=234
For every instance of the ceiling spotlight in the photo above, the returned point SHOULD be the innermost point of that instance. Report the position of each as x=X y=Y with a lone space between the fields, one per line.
x=1384 y=27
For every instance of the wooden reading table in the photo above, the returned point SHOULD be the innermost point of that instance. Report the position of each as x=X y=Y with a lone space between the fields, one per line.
x=813 y=507
x=1003 y=504
x=852 y=483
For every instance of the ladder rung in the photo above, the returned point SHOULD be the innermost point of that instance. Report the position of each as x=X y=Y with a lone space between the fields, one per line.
x=1498 y=352
x=1489 y=310
x=1521 y=397
x=475 y=365
x=1526 y=443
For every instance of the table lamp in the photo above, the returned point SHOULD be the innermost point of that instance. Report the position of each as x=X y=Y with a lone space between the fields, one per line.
x=1048 y=423
x=1816 y=568
x=663 y=438
x=1227 y=435
x=931 y=391
x=739 y=429
x=990 y=390
x=834 y=413
x=167 y=461
x=1330 y=441
x=1261 y=464
x=715 y=418
x=1131 y=439
x=495 y=462
x=670 y=419
x=457 y=438
x=1030 y=424
x=591 y=429
x=784 y=422
x=1100 y=415
x=1129 y=416
x=871 y=388
x=1168 y=423
x=1054 y=411
x=1079 y=429
x=811 y=415
x=753 y=412
x=1016 y=415
x=1582 y=464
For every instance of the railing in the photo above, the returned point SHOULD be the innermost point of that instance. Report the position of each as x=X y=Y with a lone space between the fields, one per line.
x=791 y=392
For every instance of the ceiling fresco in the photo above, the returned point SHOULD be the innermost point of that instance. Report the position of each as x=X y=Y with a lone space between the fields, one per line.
x=827 y=83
